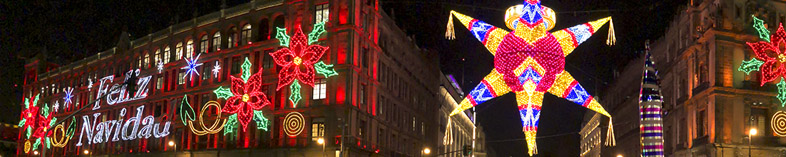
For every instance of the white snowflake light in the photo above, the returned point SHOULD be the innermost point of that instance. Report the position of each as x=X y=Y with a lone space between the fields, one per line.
x=56 y=106
x=89 y=84
x=160 y=66
x=69 y=93
x=191 y=67
x=216 y=69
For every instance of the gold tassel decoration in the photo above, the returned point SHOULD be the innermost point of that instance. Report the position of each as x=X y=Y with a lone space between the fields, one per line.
x=448 y=139
x=611 y=39
x=450 y=34
x=610 y=141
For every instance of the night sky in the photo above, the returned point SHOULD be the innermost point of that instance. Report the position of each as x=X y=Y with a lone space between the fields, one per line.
x=76 y=29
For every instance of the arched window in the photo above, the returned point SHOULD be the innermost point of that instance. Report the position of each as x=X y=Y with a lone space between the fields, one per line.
x=203 y=44
x=157 y=57
x=216 y=42
x=231 y=42
x=264 y=30
x=245 y=34
x=190 y=48
x=167 y=55
x=179 y=51
x=279 y=22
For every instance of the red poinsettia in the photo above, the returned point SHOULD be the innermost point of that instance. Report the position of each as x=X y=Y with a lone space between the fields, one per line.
x=773 y=57
x=30 y=114
x=43 y=125
x=246 y=98
x=298 y=60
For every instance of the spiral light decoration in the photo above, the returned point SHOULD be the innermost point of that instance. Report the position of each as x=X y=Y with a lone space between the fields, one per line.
x=778 y=123
x=293 y=124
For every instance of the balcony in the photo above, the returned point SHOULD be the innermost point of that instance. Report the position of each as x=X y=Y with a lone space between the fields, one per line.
x=703 y=86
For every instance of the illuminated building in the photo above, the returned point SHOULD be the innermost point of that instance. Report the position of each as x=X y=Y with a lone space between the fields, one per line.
x=377 y=104
x=458 y=130
x=590 y=137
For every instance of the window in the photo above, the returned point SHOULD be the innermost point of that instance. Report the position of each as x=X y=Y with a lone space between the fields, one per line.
x=206 y=71
x=317 y=128
x=701 y=123
x=235 y=66
x=216 y=42
x=180 y=78
x=179 y=51
x=157 y=57
x=322 y=13
x=364 y=57
x=362 y=129
x=190 y=48
x=146 y=60
x=267 y=61
x=231 y=38
x=159 y=82
x=319 y=89
x=362 y=95
x=245 y=34
x=166 y=55
x=264 y=29
x=203 y=44
x=380 y=104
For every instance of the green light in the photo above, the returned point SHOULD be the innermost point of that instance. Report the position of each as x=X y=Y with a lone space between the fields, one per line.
x=46 y=140
x=262 y=122
x=294 y=93
x=71 y=127
x=283 y=38
x=317 y=31
x=325 y=69
x=782 y=92
x=37 y=142
x=52 y=122
x=22 y=122
x=759 y=25
x=751 y=65
x=29 y=131
x=222 y=92
x=186 y=112
x=246 y=70
x=45 y=110
x=231 y=125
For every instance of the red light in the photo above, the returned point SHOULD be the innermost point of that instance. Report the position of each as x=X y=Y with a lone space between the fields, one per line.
x=376 y=151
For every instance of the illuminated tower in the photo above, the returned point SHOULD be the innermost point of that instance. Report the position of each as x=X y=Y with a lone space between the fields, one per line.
x=650 y=105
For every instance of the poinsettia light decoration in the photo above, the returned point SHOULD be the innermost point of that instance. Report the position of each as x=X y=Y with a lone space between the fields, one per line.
x=300 y=60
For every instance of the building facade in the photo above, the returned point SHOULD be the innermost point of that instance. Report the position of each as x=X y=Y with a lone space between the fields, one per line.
x=622 y=97
x=590 y=137
x=709 y=105
x=377 y=105
x=458 y=130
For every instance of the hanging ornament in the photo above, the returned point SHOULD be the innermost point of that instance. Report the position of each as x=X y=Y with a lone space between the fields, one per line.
x=530 y=61
x=297 y=55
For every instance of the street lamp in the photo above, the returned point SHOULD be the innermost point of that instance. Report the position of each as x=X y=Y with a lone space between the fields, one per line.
x=751 y=133
x=426 y=151
x=321 y=141
x=171 y=143
x=86 y=152
x=35 y=152
x=619 y=155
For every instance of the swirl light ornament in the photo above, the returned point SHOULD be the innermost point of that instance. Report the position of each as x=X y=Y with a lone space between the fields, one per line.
x=778 y=123
x=530 y=61
x=27 y=146
x=293 y=124
x=63 y=138
x=215 y=128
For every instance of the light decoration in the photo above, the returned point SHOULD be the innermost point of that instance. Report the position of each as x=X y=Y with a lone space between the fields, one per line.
x=299 y=54
x=56 y=106
x=27 y=146
x=448 y=138
x=650 y=105
x=262 y=122
x=69 y=94
x=65 y=136
x=186 y=112
x=36 y=121
x=97 y=132
x=89 y=84
x=769 y=59
x=529 y=61
x=293 y=124
x=244 y=96
x=216 y=69
x=778 y=123
x=191 y=67
x=160 y=66
x=231 y=124
x=45 y=122
x=215 y=128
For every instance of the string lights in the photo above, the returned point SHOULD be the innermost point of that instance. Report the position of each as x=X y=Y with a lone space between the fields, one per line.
x=245 y=96
x=529 y=61
x=778 y=123
x=293 y=124
x=160 y=66
x=769 y=58
x=300 y=54
x=650 y=105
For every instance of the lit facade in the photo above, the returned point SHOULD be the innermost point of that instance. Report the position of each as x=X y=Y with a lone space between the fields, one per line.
x=376 y=105
x=590 y=137
x=458 y=130
x=710 y=105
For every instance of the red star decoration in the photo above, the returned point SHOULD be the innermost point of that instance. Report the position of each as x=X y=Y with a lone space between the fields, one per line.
x=298 y=60
x=772 y=55
x=247 y=98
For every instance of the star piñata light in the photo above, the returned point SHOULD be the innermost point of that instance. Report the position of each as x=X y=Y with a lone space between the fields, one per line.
x=530 y=61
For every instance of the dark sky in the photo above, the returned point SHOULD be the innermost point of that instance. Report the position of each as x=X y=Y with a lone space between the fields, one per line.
x=72 y=30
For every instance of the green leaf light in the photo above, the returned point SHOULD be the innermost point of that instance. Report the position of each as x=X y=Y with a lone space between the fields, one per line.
x=46 y=140
x=751 y=65
x=759 y=25
x=71 y=127
x=246 y=70
x=29 y=131
x=45 y=110
x=231 y=124
x=325 y=69
x=294 y=93
x=37 y=142
x=186 y=112
x=222 y=92
x=22 y=122
x=283 y=38
x=262 y=122
x=782 y=92
x=317 y=31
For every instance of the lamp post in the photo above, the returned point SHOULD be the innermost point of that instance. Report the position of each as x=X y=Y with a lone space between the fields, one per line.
x=321 y=141
x=86 y=152
x=172 y=144
x=426 y=151
x=751 y=132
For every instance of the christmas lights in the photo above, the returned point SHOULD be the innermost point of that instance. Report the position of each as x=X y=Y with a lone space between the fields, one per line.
x=246 y=96
x=101 y=132
x=30 y=115
x=89 y=84
x=650 y=105
x=262 y=122
x=27 y=146
x=191 y=67
x=325 y=69
x=64 y=138
x=281 y=35
x=160 y=66
x=231 y=124
x=222 y=92
x=216 y=69
x=294 y=93
x=318 y=30
x=69 y=93
x=758 y=24
x=751 y=65
x=529 y=61
x=293 y=124
x=186 y=112
x=215 y=128
x=781 y=92
x=296 y=55
x=778 y=123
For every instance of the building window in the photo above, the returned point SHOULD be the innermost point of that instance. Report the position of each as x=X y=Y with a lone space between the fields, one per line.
x=206 y=71
x=180 y=78
x=216 y=41
x=364 y=57
x=146 y=60
x=322 y=13
x=179 y=51
x=317 y=128
x=190 y=48
x=231 y=38
x=157 y=57
x=166 y=55
x=235 y=66
x=362 y=129
x=159 y=82
x=380 y=104
x=362 y=94
x=320 y=89
x=701 y=123
x=267 y=61
x=245 y=34
x=203 y=44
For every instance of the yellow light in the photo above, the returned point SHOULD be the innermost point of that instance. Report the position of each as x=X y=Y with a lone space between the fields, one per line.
x=246 y=97
x=171 y=143
x=753 y=131
x=619 y=155
x=426 y=151
x=86 y=152
x=35 y=152
x=321 y=141
x=297 y=60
